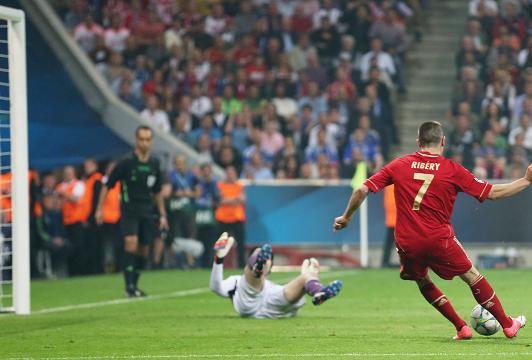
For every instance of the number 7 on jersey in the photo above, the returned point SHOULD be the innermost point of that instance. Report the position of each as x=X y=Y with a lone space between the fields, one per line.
x=427 y=179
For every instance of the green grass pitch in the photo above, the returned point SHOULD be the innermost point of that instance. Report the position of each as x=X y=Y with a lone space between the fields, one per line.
x=376 y=316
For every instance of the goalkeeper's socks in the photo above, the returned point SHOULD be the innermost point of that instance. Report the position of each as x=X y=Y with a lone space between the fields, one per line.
x=129 y=270
x=485 y=296
x=312 y=287
x=436 y=298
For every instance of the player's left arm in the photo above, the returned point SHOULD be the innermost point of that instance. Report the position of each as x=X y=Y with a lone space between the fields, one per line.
x=501 y=191
x=163 y=220
x=159 y=200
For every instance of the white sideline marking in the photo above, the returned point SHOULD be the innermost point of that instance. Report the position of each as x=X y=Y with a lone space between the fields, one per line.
x=273 y=355
x=174 y=294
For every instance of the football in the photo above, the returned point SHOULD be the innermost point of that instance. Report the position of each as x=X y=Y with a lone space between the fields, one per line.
x=483 y=322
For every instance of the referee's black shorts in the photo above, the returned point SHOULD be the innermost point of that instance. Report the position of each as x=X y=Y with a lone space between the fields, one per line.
x=142 y=225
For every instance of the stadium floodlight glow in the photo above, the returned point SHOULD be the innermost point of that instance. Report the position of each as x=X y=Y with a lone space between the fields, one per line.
x=14 y=161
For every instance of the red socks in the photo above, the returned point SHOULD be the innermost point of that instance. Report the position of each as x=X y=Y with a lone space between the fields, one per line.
x=486 y=297
x=437 y=299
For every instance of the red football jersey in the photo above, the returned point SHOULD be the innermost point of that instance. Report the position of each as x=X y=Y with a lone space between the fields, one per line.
x=426 y=186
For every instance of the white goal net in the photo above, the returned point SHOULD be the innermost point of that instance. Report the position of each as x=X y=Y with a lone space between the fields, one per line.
x=14 y=202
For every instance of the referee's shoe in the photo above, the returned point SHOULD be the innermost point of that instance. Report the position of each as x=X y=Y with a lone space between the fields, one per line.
x=134 y=292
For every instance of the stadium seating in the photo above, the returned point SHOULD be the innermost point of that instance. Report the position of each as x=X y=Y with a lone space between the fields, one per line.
x=491 y=111
x=264 y=73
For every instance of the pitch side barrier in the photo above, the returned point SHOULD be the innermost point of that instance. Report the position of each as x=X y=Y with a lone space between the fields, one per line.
x=301 y=212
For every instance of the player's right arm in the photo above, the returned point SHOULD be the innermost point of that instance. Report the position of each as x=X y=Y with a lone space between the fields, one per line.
x=357 y=198
x=501 y=191
x=375 y=183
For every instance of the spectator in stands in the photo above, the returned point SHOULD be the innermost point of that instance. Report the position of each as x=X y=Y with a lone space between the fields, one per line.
x=49 y=184
x=525 y=128
x=315 y=99
x=127 y=95
x=329 y=11
x=332 y=130
x=519 y=105
x=392 y=34
x=74 y=15
x=481 y=8
x=230 y=104
x=218 y=23
x=519 y=159
x=173 y=36
x=70 y=192
x=299 y=52
x=245 y=19
x=182 y=201
x=326 y=39
x=464 y=137
x=87 y=32
x=369 y=150
x=148 y=29
x=116 y=35
x=382 y=59
x=312 y=152
x=154 y=115
x=315 y=71
x=230 y=213
x=342 y=83
x=206 y=203
x=480 y=39
x=285 y=106
x=255 y=168
x=207 y=127
x=272 y=141
x=204 y=148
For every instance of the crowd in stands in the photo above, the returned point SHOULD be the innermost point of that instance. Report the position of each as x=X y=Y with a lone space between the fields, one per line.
x=491 y=111
x=276 y=89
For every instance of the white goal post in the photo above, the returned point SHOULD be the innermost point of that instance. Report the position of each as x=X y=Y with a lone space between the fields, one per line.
x=18 y=156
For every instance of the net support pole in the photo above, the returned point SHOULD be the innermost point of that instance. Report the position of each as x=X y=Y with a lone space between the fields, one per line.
x=19 y=161
x=364 y=251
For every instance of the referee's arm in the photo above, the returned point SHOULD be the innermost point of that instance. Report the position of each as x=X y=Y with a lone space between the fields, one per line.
x=163 y=221
x=114 y=177
x=98 y=215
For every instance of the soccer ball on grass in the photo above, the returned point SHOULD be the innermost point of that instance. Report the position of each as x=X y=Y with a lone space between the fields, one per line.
x=483 y=322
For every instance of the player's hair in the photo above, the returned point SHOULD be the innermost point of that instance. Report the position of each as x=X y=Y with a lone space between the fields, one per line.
x=430 y=134
x=142 y=127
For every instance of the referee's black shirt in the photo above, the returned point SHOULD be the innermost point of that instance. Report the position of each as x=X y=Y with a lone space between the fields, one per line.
x=139 y=181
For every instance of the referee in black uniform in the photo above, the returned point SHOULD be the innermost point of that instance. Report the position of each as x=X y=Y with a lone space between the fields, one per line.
x=140 y=179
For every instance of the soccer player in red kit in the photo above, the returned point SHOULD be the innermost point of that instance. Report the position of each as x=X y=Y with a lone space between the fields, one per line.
x=426 y=186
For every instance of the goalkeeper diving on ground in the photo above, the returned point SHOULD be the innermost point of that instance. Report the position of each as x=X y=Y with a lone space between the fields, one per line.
x=253 y=295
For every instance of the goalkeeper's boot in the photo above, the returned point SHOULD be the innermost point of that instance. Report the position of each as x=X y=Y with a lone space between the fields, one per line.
x=223 y=245
x=464 y=333
x=327 y=292
x=518 y=323
x=263 y=255
x=310 y=267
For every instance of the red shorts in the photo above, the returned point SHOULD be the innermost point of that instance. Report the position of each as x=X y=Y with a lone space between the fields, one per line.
x=446 y=258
